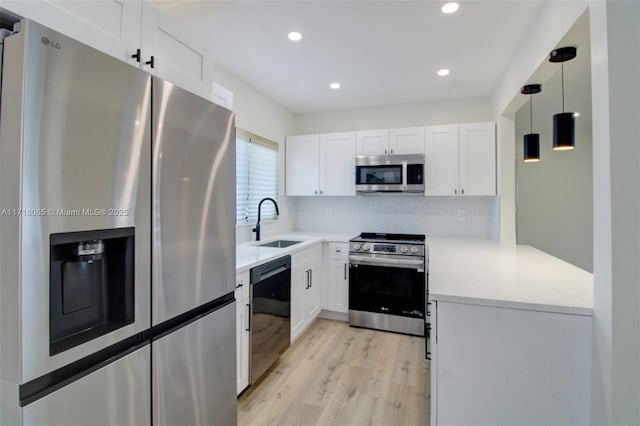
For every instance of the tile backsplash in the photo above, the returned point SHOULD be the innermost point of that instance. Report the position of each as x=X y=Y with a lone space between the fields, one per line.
x=440 y=217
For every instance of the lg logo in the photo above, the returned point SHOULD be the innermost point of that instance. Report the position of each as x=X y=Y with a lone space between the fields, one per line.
x=53 y=44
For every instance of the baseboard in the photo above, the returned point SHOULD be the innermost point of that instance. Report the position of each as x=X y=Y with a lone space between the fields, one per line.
x=336 y=316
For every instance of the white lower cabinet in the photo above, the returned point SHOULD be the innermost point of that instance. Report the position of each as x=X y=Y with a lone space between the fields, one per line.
x=306 y=288
x=338 y=278
x=502 y=366
x=242 y=330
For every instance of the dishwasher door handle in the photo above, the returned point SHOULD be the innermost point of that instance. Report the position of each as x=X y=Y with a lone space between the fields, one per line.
x=269 y=274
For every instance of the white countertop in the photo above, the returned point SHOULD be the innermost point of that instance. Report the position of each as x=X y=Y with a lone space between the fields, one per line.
x=486 y=273
x=249 y=254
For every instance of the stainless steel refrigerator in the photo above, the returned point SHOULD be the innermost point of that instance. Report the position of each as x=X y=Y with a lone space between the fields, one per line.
x=117 y=242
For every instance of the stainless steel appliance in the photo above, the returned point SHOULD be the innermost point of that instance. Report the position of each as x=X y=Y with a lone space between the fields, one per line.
x=387 y=282
x=116 y=242
x=390 y=173
x=270 y=314
x=193 y=258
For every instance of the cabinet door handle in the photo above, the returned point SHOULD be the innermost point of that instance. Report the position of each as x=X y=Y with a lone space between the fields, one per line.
x=427 y=342
x=462 y=191
x=307 y=285
x=311 y=278
x=455 y=191
x=240 y=284
x=151 y=62
x=321 y=192
x=345 y=271
x=137 y=56
x=315 y=192
x=391 y=151
x=248 y=316
x=385 y=151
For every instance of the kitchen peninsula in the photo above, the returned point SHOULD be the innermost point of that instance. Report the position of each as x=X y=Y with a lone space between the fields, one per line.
x=511 y=335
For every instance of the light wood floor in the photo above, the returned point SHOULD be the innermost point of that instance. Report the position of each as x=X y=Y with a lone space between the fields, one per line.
x=338 y=375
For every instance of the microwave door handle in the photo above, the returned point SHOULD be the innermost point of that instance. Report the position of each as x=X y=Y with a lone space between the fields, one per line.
x=404 y=175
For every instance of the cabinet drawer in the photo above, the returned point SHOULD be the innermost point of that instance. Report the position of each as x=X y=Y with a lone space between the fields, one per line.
x=338 y=250
x=304 y=258
x=242 y=286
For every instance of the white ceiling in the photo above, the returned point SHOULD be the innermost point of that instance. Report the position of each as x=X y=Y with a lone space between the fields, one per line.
x=382 y=52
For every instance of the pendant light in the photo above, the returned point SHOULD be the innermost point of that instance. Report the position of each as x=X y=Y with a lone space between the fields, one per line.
x=564 y=129
x=531 y=140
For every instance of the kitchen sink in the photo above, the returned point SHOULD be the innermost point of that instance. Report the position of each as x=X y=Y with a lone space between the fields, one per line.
x=279 y=243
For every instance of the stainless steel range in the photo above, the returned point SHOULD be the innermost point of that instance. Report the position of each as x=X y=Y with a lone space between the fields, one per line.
x=388 y=282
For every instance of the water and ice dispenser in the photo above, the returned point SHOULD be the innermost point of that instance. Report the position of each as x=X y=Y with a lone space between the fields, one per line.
x=91 y=285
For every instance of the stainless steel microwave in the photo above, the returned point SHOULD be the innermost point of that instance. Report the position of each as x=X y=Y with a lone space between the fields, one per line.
x=390 y=173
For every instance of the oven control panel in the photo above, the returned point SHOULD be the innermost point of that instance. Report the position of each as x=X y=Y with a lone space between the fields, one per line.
x=387 y=248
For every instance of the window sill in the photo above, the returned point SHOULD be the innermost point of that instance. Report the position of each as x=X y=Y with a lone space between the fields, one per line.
x=253 y=224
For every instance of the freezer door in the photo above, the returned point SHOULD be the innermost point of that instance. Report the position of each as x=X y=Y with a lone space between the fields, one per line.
x=117 y=394
x=193 y=201
x=194 y=372
x=75 y=155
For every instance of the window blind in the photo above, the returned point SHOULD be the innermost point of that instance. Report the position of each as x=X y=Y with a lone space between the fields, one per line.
x=256 y=176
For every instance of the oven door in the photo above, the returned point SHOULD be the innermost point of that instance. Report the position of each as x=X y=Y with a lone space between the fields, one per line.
x=391 y=285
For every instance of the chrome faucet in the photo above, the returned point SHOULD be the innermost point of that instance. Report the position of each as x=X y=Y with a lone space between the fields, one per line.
x=257 y=228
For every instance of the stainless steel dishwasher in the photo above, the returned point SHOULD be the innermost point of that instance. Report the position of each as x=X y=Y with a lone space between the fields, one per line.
x=270 y=316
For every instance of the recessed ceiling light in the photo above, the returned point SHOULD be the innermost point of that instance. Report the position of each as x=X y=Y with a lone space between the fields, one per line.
x=443 y=72
x=335 y=86
x=450 y=7
x=576 y=114
x=294 y=36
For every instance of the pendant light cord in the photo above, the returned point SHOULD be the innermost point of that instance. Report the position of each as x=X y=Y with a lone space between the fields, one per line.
x=562 y=78
x=530 y=113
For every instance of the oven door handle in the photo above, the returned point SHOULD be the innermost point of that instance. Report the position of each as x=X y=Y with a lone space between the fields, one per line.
x=394 y=263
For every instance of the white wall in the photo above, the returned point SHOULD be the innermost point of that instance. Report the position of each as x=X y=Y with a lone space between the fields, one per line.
x=555 y=195
x=389 y=116
x=445 y=217
x=260 y=115
x=555 y=198
x=554 y=19
x=615 y=67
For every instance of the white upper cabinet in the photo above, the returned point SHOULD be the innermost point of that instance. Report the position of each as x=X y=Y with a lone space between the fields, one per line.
x=320 y=164
x=338 y=164
x=177 y=54
x=441 y=160
x=460 y=159
x=110 y=26
x=133 y=31
x=302 y=163
x=478 y=158
x=372 y=142
x=409 y=140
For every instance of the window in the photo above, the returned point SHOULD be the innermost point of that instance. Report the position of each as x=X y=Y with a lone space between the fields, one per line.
x=256 y=176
